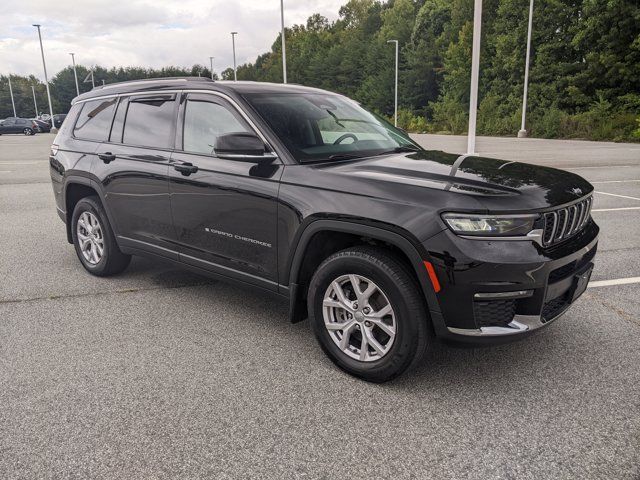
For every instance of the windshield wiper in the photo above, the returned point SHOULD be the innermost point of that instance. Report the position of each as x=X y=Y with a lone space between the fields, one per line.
x=401 y=149
x=344 y=156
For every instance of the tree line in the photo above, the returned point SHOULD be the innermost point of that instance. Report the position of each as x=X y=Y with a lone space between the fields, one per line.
x=584 y=78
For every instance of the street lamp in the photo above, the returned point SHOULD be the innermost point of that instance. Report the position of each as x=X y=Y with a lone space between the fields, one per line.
x=284 y=49
x=35 y=103
x=75 y=74
x=233 y=41
x=13 y=104
x=395 y=115
x=523 y=132
x=46 y=80
x=211 y=60
x=475 y=74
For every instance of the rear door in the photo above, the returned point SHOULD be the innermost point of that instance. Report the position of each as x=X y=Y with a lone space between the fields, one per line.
x=225 y=213
x=133 y=169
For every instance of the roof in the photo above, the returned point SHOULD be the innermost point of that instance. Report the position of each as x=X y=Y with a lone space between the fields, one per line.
x=196 y=83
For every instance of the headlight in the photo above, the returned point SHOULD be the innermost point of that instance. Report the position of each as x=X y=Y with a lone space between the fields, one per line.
x=490 y=225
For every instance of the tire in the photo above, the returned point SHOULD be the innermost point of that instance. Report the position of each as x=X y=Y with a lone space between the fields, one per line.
x=89 y=221
x=371 y=268
x=28 y=131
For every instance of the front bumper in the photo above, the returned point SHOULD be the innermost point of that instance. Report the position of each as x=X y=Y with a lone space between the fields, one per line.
x=495 y=291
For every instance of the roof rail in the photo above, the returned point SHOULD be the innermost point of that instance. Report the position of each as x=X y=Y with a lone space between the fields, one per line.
x=153 y=80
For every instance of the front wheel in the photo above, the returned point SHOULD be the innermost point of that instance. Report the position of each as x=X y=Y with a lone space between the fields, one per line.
x=367 y=313
x=94 y=240
x=28 y=131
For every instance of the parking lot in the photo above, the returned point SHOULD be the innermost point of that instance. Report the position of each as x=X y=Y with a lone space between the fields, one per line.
x=159 y=373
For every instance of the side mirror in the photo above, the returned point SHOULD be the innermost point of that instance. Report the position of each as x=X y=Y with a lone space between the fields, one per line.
x=243 y=146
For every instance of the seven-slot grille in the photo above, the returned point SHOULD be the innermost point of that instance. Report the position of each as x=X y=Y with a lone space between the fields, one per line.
x=566 y=222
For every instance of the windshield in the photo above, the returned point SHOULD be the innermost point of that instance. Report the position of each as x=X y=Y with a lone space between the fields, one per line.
x=326 y=127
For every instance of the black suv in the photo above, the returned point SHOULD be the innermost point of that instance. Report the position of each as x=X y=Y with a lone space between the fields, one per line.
x=382 y=244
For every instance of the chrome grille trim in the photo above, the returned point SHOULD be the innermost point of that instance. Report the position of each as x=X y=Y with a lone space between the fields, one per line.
x=566 y=222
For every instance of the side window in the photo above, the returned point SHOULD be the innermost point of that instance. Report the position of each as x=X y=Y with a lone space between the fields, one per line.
x=149 y=121
x=94 y=121
x=204 y=121
x=75 y=109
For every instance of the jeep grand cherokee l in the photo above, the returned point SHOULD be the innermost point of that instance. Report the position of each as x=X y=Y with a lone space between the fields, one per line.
x=382 y=244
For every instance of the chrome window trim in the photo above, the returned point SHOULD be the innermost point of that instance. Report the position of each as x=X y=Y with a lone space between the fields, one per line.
x=224 y=96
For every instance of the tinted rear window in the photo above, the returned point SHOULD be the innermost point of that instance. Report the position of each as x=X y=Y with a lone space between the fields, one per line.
x=94 y=121
x=149 y=121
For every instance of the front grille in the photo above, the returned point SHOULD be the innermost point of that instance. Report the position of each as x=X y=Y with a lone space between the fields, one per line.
x=494 y=313
x=563 y=223
x=555 y=307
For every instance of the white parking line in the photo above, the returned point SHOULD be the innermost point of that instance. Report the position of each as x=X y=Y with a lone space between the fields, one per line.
x=616 y=181
x=5 y=171
x=617 y=281
x=614 y=209
x=601 y=166
x=23 y=163
x=616 y=195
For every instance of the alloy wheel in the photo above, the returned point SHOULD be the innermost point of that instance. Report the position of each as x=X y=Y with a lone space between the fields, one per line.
x=90 y=238
x=359 y=318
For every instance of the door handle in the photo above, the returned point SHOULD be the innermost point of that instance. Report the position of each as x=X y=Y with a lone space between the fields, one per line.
x=186 y=168
x=107 y=157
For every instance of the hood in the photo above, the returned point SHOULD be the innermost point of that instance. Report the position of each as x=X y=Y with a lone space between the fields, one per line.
x=493 y=184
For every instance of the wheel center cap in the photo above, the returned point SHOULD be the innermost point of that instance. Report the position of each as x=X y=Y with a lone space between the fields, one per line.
x=359 y=316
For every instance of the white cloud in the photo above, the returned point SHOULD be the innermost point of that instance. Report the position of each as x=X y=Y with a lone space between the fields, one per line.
x=144 y=33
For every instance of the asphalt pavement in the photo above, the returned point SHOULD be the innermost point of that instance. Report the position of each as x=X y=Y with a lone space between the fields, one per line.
x=159 y=373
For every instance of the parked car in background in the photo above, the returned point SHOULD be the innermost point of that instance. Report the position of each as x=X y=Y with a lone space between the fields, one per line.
x=41 y=125
x=18 y=125
x=58 y=119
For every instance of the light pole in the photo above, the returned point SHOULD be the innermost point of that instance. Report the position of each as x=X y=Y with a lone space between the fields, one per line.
x=395 y=115
x=284 y=49
x=13 y=104
x=233 y=42
x=211 y=60
x=475 y=74
x=35 y=103
x=75 y=74
x=523 y=131
x=46 y=81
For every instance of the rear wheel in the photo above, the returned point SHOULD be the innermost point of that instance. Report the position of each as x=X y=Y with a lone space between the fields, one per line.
x=94 y=240
x=367 y=313
x=28 y=131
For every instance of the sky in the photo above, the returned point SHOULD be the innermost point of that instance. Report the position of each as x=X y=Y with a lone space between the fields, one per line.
x=144 y=33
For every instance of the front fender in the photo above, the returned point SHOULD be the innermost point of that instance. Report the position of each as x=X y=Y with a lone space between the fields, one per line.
x=415 y=253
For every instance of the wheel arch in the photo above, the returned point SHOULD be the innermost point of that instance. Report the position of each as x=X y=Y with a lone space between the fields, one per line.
x=75 y=189
x=411 y=251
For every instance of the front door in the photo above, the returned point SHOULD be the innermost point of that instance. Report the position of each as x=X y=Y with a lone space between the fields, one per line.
x=133 y=168
x=224 y=213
